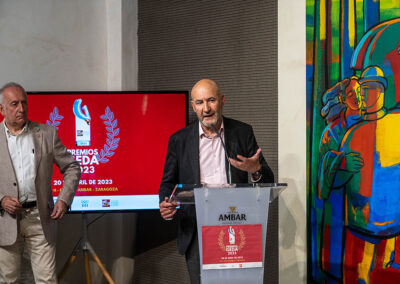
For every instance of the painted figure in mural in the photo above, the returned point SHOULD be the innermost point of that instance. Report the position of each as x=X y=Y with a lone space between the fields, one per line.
x=341 y=111
x=345 y=94
x=380 y=46
x=372 y=194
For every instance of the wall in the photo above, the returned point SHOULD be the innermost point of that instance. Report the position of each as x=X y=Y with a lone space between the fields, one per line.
x=51 y=45
x=42 y=49
x=292 y=141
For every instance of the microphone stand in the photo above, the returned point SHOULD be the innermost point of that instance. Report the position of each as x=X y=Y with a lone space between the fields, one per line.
x=226 y=153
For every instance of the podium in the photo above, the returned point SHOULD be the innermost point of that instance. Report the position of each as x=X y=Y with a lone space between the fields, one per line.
x=232 y=229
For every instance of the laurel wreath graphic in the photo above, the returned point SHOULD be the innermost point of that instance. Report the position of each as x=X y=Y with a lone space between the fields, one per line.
x=55 y=118
x=221 y=240
x=112 y=140
x=242 y=239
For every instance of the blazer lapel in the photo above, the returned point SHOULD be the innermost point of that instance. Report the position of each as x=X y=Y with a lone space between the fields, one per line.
x=4 y=153
x=3 y=143
x=194 y=151
x=37 y=135
x=228 y=145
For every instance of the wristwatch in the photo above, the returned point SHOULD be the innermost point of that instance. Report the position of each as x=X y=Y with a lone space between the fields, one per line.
x=257 y=175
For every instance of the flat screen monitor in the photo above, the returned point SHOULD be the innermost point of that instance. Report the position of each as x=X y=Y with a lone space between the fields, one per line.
x=120 y=140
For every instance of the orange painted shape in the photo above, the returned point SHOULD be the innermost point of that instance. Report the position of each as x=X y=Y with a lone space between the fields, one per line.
x=383 y=223
x=363 y=142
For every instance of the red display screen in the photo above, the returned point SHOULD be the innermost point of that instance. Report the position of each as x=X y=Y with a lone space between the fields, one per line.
x=119 y=139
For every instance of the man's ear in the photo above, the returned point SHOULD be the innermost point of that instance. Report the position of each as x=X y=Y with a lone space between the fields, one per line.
x=222 y=99
x=2 y=109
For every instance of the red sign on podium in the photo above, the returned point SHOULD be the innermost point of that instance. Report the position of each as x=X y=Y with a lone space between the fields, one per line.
x=232 y=246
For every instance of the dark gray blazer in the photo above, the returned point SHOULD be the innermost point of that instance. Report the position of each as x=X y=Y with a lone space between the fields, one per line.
x=182 y=167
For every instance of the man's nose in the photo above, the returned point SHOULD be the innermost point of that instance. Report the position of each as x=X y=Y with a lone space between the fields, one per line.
x=206 y=107
x=20 y=107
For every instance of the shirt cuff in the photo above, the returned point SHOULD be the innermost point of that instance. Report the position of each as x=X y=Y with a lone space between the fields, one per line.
x=257 y=179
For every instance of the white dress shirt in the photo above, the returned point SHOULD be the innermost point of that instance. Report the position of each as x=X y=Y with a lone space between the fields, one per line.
x=212 y=158
x=21 y=148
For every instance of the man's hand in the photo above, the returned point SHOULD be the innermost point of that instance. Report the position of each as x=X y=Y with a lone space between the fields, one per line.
x=168 y=209
x=250 y=165
x=59 y=210
x=10 y=204
x=353 y=162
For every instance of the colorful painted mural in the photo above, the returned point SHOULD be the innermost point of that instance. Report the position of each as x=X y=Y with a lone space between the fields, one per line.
x=353 y=101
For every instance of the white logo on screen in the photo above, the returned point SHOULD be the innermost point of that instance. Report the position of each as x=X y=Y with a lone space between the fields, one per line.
x=82 y=123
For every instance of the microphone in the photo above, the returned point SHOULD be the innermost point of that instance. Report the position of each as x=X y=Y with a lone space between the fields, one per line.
x=226 y=153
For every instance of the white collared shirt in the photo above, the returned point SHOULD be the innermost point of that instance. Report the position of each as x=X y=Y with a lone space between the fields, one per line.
x=21 y=148
x=212 y=158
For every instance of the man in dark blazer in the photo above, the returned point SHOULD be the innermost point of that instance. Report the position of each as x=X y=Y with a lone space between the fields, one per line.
x=195 y=155
x=28 y=151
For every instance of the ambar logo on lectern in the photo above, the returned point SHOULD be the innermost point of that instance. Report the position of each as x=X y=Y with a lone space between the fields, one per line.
x=232 y=215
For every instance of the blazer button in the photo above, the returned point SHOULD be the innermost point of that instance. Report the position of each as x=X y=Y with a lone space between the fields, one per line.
x=15 y=184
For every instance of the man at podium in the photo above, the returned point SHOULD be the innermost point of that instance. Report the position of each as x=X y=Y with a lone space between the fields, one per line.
x=198 y=154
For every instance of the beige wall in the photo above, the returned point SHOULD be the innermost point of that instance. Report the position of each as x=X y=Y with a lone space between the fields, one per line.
x=292 y=140
x=74 y=45
x=41 y=48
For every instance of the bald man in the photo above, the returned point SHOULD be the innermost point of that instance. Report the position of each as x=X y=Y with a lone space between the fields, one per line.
x=196 y=156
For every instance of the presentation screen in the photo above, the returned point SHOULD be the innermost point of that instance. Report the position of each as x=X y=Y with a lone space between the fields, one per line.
x=120 y=140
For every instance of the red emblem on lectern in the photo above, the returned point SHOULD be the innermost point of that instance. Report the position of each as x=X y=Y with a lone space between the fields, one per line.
x=232 y=246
